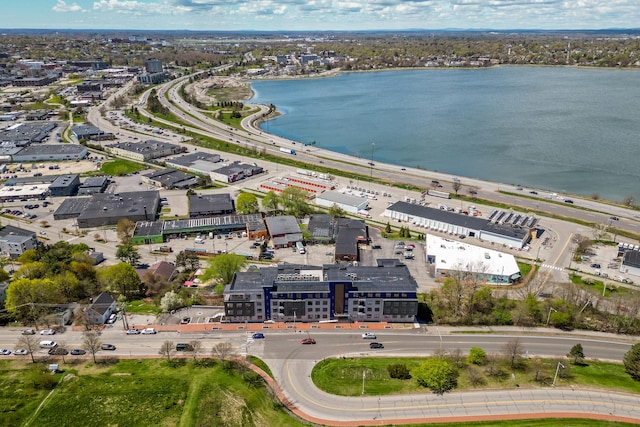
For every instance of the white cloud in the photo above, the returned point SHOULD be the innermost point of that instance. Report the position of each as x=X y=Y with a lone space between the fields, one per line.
x=61 y=6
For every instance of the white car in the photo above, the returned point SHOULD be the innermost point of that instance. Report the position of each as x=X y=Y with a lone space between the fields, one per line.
x=20 y=352
x=369 y=335
x=149 y=331
x=47 y=332
x=133 y=331
x=5 y=352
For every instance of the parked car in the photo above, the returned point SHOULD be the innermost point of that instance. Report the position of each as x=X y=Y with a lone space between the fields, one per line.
x=28 y=332
x=133 y=331
x=369 y=335
x=5 y=352
x=58 y=351
x=375 y=345
x=184 y=347
x=78 y=352
x=149 y=331
x=568 y=201
x=112 y=318
x=47 y=332
x=20 y=352
x=614 y=218
x=595 y=265
x=308 y=341
x=257 y=336
x=48 y=344
x=109 y=347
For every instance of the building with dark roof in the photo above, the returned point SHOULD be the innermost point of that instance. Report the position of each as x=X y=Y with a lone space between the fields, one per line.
x=349 y=234
x=322 y=228
x=284 y=230
x=50 y=152
x=88 y=132
x=446 y=221
x=14 y=241
x=108 y=209
x=171 y=178
x=197 y=162
x=147 y=232
x=143 y=151
x=235 y=172
x=93 y=185
x=23 y=134
x=101 y=309
x=386 y=292
x=204 y=205
x=64 y=186
x=631 y=263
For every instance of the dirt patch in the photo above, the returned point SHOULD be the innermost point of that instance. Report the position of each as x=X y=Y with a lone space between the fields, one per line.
x=220 y=89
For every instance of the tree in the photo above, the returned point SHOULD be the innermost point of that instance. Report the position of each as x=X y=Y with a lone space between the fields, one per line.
x=167 y=349
x=223 y=267
x=628 y=201
x=26 y=298
x=195 y=347
x=513 y=350
x=577 y=354
x=188 y=260
x=631 y=362
x=271 y=202
x=128 y=253
x=246 y=204
x=91 y=343
x=120 y=278
x=170 y=301
x=477 y=356
x=437 y=374
x=336 y=211
x=387 y=228
x=29 y=343
x=222 y=350
x=294 y=201
x=456 y=186
x=125 y=229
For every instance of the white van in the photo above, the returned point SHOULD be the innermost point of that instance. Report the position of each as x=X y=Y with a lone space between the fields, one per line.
x=48 y=344
x=300 y=248
x=199 y=239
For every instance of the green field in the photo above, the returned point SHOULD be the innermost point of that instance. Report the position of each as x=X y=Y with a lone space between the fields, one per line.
x=344 y=376
x=120 y=167
x=136 y=393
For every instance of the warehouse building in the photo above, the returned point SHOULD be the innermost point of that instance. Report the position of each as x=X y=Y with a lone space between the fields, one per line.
x=64 y=186
x=143 y=151
x=446 y=221
x=50 y=152
x=284 y=230
x=210 y=205
x=631 y=262
x=171 y=178
x=198 y=162
x=93 y=185
x=235 y=172
x=22 y=134
x=88 y=132
x=350 y=233
x=348 y=203
x=24 y=192
x=382 y=293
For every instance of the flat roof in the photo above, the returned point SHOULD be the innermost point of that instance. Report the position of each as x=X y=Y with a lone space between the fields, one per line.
x=10 y=229
x=210 y=202
x=96 y=181
x=24 y=190
x=344 y=199
x=45 y=149
x=72 y=207
x=147 y=228
x=122 y=204
x=458 y=256
x=285 y=224
x=441 y=215
x=64 y=180
x=226 y=221
x=199 y=161
x=149 y=145
x=30 y=131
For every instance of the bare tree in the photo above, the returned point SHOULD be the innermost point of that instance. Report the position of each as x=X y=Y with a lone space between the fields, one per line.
x=29 y=343
x=513 y=350
x=92 y=343
x=222 y=350
x=456 y=186
x=628 y=201
x=195 y=348
x=167 y=349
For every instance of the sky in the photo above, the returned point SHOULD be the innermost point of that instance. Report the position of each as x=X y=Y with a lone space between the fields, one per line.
x=311 y=15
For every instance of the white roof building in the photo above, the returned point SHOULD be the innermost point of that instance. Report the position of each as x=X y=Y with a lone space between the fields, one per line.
x=492 y=267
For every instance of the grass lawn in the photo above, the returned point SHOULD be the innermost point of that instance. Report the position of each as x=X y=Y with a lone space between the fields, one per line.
x=120 y=167
x=146 y=392
x=141 y=307
x=344 y=376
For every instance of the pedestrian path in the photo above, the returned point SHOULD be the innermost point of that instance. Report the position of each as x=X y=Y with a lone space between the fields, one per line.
x=552 y=267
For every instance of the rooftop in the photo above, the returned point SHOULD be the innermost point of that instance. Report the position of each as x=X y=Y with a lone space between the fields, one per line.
x=286 y=224
x=149 y=145
x=45 y=149
x=210 y=202
x=122 y=204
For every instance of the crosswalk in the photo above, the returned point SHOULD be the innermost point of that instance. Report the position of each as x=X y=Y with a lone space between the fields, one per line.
x=551 y=267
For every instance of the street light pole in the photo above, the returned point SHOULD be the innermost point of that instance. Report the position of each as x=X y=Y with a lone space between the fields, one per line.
x=549 y=315
x=555 y=377
x=363 y=373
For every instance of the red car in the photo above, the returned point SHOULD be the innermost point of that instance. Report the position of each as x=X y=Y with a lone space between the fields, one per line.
x=308 y=341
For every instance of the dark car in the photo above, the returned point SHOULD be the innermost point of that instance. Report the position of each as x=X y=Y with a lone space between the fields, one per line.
x=568 y=201
x=78 y=352
x=376 y=247
x=110 y=347
x=308 y=341
x=58 y=351
x=257 y=336
x=375 y=345
x=595 y=265
x=614 y=218
x=533 y=192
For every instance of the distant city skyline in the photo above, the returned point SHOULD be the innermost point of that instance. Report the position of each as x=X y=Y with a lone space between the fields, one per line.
x=317 y=15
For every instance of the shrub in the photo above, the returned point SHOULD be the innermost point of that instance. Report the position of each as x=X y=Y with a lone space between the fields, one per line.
x=477 y=356
x=399 y=371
